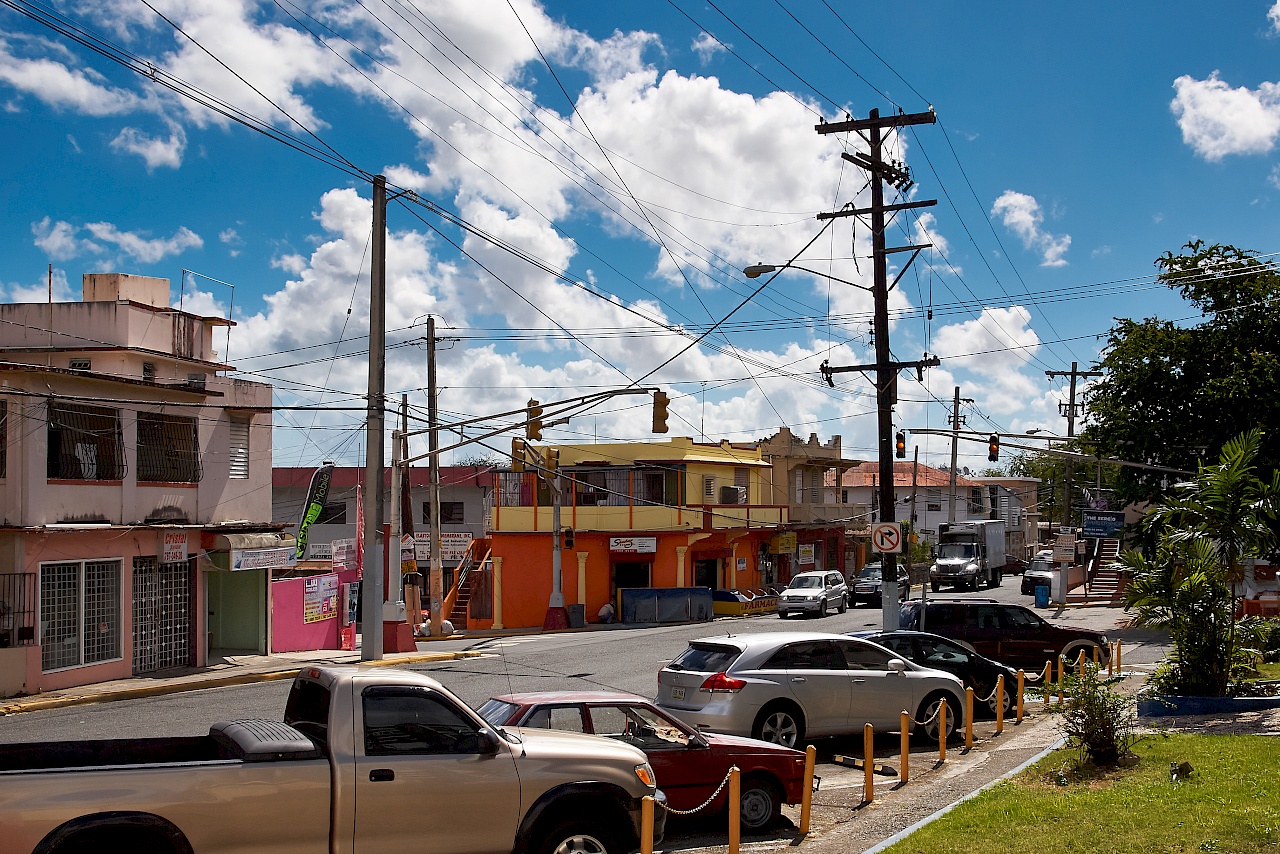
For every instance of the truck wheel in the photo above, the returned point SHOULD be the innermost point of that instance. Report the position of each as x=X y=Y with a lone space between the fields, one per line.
x=578 y=836
x=934 y=586
x=780 y=723
x=760 y=804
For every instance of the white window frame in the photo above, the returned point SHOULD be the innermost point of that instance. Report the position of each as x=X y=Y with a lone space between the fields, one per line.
x=80 y=611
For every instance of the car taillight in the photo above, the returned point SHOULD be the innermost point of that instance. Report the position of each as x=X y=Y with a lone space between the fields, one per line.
x=718 y=683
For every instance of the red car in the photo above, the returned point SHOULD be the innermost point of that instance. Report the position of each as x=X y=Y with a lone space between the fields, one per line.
x=689 y=764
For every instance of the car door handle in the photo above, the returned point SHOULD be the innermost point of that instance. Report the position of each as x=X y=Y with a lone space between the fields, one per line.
x=381 y=775
x=797 y=678
x=856 y=681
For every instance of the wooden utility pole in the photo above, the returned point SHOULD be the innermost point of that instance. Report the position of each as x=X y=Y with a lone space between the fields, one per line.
x=1069 y=411
x=957 y=421
x=886 y=370
x=435 y=581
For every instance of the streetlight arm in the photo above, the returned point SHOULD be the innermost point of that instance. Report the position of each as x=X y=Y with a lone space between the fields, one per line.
x=757 y=270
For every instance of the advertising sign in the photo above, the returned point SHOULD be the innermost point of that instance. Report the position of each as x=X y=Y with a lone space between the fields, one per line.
x=408 y=555
x=316 y=497
x=1064 y=548
x=805 y=552
x=344 y=553
x=633 y=545
x=320 y=551
x=782 y=544
x=281 y=558
x=453 y=546
x=320 y=598
x=1102 y=523
x=173 y=547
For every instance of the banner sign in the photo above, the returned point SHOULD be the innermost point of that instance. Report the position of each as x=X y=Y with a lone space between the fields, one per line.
x=805 y=552
x=316 y=497
x=320 y=598
x=633 y=545
x=344 y=553
x=173 y=547
x=244 y=559
x=782 y=544
x=320 y=551
x=1102 y=523
x=453 y=546
x=408 y=558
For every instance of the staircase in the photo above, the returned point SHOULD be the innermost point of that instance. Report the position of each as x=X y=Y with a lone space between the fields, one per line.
x=458 y=616
x=1105 y=586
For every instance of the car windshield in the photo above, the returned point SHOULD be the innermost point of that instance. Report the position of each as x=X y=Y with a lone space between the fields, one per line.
x=957 y=550
x=871 y=573
x=495 y=712
x=1039 y=565
x=805 y=581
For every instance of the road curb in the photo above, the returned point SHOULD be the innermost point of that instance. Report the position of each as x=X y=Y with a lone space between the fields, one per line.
x=38 y=703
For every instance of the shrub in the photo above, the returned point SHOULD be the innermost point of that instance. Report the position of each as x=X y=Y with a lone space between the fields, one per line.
x=1098 y=721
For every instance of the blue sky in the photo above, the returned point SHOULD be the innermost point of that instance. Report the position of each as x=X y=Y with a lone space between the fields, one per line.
x=1075 y=144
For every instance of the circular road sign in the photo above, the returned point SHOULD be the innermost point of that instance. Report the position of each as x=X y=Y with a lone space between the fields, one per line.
x=886 y=537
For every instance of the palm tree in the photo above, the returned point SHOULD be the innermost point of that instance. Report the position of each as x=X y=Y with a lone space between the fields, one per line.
x=1213 y=522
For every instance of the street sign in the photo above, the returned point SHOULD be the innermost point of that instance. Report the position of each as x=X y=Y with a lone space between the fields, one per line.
x=886 y=537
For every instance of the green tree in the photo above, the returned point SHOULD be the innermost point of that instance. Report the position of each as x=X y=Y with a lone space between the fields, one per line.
x=1204 y=530
x=1051 y=471
x=1171 y=393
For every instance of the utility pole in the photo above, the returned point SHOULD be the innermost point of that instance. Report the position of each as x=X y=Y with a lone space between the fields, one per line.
x=1069 y=411
x=886 y=370
x=371 y=596
x=435 y=583
x=906 y=541
x=956 y=423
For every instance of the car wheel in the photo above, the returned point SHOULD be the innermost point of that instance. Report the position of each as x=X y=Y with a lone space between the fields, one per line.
x=822 y=610
x=1009 y=691
x=760 y=804
x=780 y=723
x=928 y=711
x=578 y=836
x=934 y=586
x=843 y=606
x=877 y=602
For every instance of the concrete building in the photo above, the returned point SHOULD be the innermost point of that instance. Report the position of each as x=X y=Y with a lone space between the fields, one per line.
x=133 y=475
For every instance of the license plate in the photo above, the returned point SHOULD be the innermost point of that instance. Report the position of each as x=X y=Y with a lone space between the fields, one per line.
x=677 y=693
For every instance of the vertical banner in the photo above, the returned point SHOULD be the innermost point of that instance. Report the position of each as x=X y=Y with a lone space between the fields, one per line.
x=359 y=531
x=316 y=497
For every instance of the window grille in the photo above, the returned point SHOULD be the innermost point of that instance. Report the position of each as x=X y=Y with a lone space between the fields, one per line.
x=815 y=486
x=709 y=489
x=799 y=485
x=17 y=609
x=85 y=443
x=81 y=365
x=79 y=613
x=161 y=614
x=149 y=372
x=238 y=450
x=168 y=448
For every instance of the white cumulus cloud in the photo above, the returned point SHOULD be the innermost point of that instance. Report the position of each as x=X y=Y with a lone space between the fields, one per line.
x=154 y=151
x=1022 y=215
x=1217 y=120
x=145 y=249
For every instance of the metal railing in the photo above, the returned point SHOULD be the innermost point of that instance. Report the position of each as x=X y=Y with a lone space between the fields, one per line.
x=18 y=606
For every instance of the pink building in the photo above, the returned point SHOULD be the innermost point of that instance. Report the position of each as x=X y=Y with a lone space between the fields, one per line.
x=135 y=476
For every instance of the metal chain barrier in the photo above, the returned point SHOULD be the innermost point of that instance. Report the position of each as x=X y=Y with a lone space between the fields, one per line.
x=933 y=717
x=705 y=803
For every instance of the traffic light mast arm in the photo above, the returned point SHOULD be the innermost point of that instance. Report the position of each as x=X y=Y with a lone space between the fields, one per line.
x=970 y=436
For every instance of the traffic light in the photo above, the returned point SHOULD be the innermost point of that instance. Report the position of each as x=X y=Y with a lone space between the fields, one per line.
x=568 y=538
x=533 y=426
x=993 y=447
x=660 y=404
x=900 y=445
x=518 y=453
x=552 y=459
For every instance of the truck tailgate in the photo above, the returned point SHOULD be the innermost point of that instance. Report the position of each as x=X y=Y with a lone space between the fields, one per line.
x=221 y=806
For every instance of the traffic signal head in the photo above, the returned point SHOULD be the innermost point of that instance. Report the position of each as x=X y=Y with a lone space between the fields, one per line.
x=568 y=538
x=533 y=425
x=552 y=458
x=993 y=447
x=660 y=404
x=518 y=453
x=900 y=445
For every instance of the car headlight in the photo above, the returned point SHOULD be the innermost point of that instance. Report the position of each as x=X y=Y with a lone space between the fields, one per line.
x=645 y=772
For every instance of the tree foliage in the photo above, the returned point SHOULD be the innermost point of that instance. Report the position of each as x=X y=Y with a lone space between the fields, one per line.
x=1051 y=471
x=1172 y=394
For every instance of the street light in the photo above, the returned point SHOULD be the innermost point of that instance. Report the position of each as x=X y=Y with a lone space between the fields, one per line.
x=757 y=270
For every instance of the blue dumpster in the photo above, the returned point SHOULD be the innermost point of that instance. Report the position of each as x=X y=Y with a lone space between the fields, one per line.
x=1042 y=596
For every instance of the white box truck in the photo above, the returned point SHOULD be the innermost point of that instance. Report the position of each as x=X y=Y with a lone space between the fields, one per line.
x=969 y=554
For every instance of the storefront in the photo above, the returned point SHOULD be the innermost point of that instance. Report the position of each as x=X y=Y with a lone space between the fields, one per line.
x=237 y=570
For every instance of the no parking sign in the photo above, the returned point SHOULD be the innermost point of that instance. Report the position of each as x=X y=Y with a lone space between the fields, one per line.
x=886 y=537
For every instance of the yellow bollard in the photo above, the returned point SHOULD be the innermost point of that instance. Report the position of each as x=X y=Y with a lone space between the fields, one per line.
x=806 y=799
x=1119 y=671
x=942 y=730
x=1062 y=680
x=1111 y=659
x=903 y=763
x=1046 y=679
x=968 y=718
x=1000 y=704
x=868 y=763
x=1022 y=684
x=1096 y=656
x=646 y=825
x=735 y=809
x=1080 y=664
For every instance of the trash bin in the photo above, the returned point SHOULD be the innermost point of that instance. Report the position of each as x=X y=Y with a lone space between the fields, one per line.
x=1042 y=596
x=577 y=616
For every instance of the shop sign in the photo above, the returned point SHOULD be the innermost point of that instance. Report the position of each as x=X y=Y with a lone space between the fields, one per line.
x=320 y=598
x=1064 y=548
x=633 y=545
x=1102 y=523
x=806 y=553
x=344 y=553
x=281 y=558
x=320 y=551
x=783 y=544
x=173 y=547
x=453 y=545
x=742 y=564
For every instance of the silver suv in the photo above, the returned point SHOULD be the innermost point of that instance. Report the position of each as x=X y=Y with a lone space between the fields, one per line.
x=814 y=593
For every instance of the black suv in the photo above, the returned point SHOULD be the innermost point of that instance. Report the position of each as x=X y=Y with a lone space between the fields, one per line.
x=1010 y=634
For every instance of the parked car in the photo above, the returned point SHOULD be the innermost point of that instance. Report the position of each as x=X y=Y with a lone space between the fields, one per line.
x=1039 y=573
x=814 y=592
x=1013 y=634
x=689 y=765
x=377 y=759
x=867 y=583
x=785 y=687
x=975 y=670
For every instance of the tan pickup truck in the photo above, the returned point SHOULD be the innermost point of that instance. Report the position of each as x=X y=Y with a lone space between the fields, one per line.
x=366 y=760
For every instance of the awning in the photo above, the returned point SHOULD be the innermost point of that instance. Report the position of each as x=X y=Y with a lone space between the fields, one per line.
x=263 y=540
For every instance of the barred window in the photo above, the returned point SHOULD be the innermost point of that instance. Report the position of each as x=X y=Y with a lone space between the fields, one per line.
x=85 y=443
x=238 y=452
x=168 y=448
x=79 y=613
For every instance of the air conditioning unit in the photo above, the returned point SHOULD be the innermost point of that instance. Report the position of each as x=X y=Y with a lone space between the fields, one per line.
x=733 y=495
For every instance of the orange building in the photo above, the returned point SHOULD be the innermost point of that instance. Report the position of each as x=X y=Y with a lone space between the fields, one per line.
x=672 y=514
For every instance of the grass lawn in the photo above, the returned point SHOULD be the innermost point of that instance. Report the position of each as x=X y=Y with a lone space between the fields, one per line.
x=1230 y=803
x=1269 y=671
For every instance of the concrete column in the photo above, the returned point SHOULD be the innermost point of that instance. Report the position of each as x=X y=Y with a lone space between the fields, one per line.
x=733 y=568
x=497 y=593
x=681 y=551
x=582 y=577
